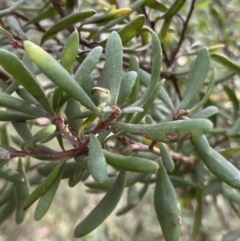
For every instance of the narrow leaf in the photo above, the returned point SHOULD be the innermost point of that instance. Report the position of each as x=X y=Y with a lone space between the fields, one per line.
x=10 y=175
x=43 y=187
x=196 y=78
x=40 y=136
x=84 y=70
x=207 y=112
x=50 y=13
x=126 y=86
x=166 y=158
x=14 y=103
x=156 y=69
x=175 y=7
x=179 y=130
x=108 y=16
x=97 y=165
x=70 y=51
x=103 y=209
x=167 y=206
x=46 y=199
x=14 y=24
x=22 y=191
x=66 y=22
x=218 y=165
x=226 y=62
x=232 y=97
x=156 y=5
x=235 y=129
x=206 y=95
x=54 y=71
x=113 y=65
x=20 y=73
x=130 y=163
x=131 y=29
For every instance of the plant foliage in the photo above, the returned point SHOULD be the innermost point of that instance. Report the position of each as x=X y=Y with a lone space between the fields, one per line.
x=106 y=83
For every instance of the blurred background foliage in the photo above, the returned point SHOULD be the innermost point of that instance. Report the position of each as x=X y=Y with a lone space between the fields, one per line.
x=214 y=24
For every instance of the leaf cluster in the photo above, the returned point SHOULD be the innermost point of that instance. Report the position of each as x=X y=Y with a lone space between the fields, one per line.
x=120 y=109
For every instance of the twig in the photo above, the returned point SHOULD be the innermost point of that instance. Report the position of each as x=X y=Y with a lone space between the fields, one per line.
x=71 y=152
x=185 y=24
x=58 y=8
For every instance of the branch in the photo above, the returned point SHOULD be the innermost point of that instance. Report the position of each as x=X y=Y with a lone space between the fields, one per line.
x=58 y=8
x=71 y=152
x=185 y=24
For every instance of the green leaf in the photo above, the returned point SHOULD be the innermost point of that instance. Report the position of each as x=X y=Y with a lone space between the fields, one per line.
x=231 y=195
x=218 y=165
x=103 y=209
x=4 y=138
x=133 y=195
x=50 y=13
x=172 y=131
x=167 y=207
x=132 y=109
x=7 y=195
x=198 y=216
x=13 y=103
x=166 y=158
x=182 y=182
x=70 y=51
x=14 y=24
x=54 y=71
x=46 y=199
x=66 y=22
x=43 y=187
x=108 y=16
x=130 y=163
x=196 y=78
x=25 y=95
x=21 y=127
x=7 y=210
x=131 y=29
x=165 y=98
x=162 y=95
x=57 y=99
x=207 y=112
x=165 y=29
x=134 y=6
x=40 y=136
x=235 y=129
x=87 y=66
x=156 y=5
x=155 y=72
x=14 y=116
x=22 y=191
x=112 y=71
x=206 y=95
x=6 y=33
x=130 y=206
x=226 y=62
x=126 y=86
x=68 y=169
x=20 y=73
x=97 y=165
x=175 y=7
x=10 y=175
x=13 y=7
x=232 y=97
x=73 y=109
x=134 y=66
x=149 y=103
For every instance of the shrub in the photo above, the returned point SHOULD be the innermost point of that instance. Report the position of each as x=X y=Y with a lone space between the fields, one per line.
x=126 y=111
